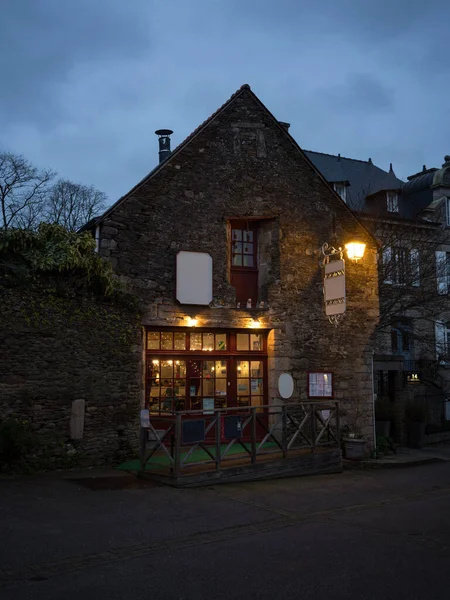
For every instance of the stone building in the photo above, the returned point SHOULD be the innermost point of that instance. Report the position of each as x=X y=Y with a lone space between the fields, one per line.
x=411 y=220
x=222 y=244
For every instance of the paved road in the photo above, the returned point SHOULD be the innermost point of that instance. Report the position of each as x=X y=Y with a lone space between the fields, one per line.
x=362 y=535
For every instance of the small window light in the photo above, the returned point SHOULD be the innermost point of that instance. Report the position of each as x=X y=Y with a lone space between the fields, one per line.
x=355 y=250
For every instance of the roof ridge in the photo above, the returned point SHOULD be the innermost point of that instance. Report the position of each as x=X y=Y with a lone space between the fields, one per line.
x=243 y=87
x=343 y=157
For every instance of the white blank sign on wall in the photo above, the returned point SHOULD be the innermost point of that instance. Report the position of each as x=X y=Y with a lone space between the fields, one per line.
x=194 y=277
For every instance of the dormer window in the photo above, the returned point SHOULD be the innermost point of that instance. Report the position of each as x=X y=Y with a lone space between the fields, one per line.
x=341 y=189
x=392 y=202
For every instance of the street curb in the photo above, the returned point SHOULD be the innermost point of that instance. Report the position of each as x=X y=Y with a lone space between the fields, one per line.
x=380 y=464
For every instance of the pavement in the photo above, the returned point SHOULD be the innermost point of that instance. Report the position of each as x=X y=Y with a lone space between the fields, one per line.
x=99 y=534
x=404 y=457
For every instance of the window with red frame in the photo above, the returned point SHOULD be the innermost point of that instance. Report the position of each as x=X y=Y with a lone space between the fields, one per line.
x=244 y=261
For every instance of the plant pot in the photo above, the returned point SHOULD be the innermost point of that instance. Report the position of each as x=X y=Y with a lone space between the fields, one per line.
x=416 y=435
x=383 y=428
x=354 y=448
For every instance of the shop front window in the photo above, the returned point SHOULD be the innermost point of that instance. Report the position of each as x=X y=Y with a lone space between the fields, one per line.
x=204 y=370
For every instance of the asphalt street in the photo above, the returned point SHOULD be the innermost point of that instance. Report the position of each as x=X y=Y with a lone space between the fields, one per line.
x=362 y=534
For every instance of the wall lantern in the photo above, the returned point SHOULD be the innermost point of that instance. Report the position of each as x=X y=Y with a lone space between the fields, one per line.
x=255 y=324
x=355 y=250
x=191 y=322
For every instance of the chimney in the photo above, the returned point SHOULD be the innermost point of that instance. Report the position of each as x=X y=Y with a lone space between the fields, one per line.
x=285 y=125
x=164 y=143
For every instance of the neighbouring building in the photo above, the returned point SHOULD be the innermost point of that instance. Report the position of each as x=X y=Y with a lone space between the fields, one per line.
x=412 y=222
x=221 y=242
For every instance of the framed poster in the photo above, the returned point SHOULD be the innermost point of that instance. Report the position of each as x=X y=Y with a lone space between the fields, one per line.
x=320 y=384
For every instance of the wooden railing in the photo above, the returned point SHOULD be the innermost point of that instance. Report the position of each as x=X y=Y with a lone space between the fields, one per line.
x=232 y=434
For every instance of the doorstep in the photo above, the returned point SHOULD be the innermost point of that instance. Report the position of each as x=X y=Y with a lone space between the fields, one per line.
x=405 y=457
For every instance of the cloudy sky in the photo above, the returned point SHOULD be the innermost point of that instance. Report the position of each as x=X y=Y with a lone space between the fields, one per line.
x=85 y=83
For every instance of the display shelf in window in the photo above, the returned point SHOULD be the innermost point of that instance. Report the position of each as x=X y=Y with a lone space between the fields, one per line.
x=320 y=384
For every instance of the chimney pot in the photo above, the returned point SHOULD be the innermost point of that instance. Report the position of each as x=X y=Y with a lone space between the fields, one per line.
x=164 y=143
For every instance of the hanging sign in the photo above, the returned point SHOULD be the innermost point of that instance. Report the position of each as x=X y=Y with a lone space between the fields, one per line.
x=334 y=287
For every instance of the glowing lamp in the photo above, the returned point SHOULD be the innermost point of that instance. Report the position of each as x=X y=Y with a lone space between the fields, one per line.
x=191 y=322
x=254 y=324
x=355 y=250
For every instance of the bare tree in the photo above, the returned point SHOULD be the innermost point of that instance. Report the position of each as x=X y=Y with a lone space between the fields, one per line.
x=73 y=205
x=23 y=190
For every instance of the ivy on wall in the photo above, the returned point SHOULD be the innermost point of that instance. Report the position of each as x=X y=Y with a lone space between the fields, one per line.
x=52 y=250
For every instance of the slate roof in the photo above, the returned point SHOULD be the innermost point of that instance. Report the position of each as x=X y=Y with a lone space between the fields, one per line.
x=364 y=177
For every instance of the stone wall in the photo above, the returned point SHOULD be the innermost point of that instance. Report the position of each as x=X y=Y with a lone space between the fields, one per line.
x=55 y=350
x=242 y=164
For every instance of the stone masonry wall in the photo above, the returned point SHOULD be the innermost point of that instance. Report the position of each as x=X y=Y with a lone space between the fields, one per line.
x=244 y=165
x=56 y=350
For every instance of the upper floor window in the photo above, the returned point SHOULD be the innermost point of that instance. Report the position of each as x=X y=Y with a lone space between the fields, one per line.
x=341 y=189
x=401 y=266
x=401 y=336
x=443 y=271
x=244 y=262
x=392 y=202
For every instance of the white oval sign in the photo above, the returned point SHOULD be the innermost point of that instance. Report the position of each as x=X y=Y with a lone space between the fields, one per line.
x=285 y=385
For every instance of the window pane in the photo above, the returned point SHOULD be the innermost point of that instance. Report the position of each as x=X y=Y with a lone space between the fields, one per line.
x=221 y=368
x=179 y=341
x=180 y=369
x=242 y=368
x=237 y=260
x=167 y=340
x=153 y=340
x=180 y=404
x=248 y=248
x=153 y=368
x=256 y=386
x=208 y=387
x=256 y=341
x=221 y=387
x=220 y=402
x=196 y=341
x=237 y=234
x=221 y=341
x=242 y=341
x=208 y=369
x=166 y=369
x=179 y=387
x=247 y=236
x=237 y=248
x=195 y=387
x=243 y=401
x=248 y=260
x=154 y=387
x=256 y=368
x=243 y=387
x=208 y=341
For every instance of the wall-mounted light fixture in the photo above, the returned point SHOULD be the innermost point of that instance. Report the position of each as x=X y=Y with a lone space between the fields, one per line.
x=191 y=321
x=255 y=324
x=355 y=250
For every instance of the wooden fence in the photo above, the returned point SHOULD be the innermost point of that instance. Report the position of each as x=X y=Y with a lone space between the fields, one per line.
x=182 y=441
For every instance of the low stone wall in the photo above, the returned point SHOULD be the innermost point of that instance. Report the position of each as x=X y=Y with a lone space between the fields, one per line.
x=55 y=351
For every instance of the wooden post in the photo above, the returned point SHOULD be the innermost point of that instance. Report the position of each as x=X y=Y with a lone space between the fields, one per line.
x=253 y=435
x=338 y=424
x=313 y=429
x=142 y=449
x=218 y=440
x=177 y=454
x=284 y=431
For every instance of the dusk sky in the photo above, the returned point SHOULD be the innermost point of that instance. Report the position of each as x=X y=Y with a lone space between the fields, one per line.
x=85 y=83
